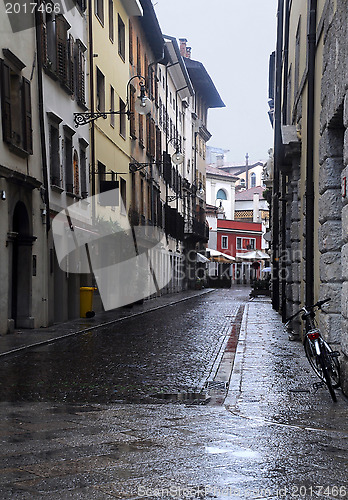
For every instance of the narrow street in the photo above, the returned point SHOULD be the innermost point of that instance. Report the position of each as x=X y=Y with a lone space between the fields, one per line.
x=95 y=416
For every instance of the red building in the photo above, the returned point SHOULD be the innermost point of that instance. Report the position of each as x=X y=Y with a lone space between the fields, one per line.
x=237 y=238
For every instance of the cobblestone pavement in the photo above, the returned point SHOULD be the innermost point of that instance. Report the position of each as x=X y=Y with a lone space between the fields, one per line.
x=274 y=437
x=164 y=352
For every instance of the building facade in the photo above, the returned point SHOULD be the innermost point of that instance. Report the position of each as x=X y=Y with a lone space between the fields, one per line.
x=23 y=226
x=308 y=90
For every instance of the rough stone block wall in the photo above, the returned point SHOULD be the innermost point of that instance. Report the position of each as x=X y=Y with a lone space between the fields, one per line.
x=333 y=209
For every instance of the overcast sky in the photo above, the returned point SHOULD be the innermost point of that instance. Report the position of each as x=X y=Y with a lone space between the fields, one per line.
x=233 y=39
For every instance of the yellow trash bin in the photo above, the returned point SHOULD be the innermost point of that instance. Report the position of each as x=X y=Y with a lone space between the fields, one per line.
x=86 y=302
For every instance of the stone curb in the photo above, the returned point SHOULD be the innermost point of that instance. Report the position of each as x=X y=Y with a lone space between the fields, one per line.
x=237 y=371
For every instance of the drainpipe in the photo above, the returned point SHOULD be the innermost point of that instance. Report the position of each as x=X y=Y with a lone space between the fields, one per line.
x=277 y=156
x=91 y=99
x=42 y=121
x=310 y=155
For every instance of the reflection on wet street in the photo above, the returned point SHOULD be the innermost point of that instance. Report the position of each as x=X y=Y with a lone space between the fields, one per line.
x=165 y=351
x=78 y=419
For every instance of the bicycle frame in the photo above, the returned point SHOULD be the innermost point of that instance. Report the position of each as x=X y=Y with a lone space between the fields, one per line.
x=319 y=354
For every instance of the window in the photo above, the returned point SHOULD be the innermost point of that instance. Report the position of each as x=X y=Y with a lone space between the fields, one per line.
x=62 y=27
x=83 y=172
x=224 y=242
x=131 y=55
x=121 y=38
x=242 y=182
x=62 y=56
x=122 y=119
x=54 y=156
x=138 y=57
x=221 y=195
x=76 y=170
x=132 y=116
x=100 y=91
x=99 y=10
x=111 y=20
x=16 y=106
x=123 y=190
x=101 y=174
x=297 y=57
x=68 y=163
x=80 y=89
x=246 y=243
x=141 y=130
x=253 y=180
x=112 y=106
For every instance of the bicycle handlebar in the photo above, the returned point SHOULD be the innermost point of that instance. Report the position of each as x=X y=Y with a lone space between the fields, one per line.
x=310 y=308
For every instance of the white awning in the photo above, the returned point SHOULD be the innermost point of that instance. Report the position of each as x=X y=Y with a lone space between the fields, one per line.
x=254 y=255
x=202 y=258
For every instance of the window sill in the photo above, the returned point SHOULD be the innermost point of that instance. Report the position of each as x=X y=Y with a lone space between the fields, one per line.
x=56 y=188
x=18 y=150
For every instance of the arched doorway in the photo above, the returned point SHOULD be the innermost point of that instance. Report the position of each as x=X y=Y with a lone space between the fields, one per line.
x=21 y=267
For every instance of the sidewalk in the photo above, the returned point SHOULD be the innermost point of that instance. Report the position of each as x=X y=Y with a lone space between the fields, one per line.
x=272 y=381
x=24 y=339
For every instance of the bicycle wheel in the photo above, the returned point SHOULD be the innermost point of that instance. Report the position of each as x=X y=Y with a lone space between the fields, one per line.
x=327 y=377
x=332 y=363
x=313 y=358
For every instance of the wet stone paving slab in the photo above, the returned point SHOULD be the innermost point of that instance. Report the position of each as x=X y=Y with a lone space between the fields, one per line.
x=165 y=351
x=274 y=437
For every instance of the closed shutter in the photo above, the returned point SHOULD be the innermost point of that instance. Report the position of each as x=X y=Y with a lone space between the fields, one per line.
x=43 y=42
x=130 y=43
x=71 y=72
x=62 y=52
x=81 y=63
x=152 y=138
x=6 y=102
x=26 y=117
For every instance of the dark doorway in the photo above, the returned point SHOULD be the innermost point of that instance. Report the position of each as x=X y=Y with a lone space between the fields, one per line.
x=21 y=267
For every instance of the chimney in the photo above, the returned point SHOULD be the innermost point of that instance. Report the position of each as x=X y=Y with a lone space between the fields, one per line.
x=188 y=52
x=183 y=43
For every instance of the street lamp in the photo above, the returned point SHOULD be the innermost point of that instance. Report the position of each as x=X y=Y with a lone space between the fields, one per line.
x=142 y=106
x=177 y=157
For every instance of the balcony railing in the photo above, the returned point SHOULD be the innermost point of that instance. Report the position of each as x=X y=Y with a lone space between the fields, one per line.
x=196 y=229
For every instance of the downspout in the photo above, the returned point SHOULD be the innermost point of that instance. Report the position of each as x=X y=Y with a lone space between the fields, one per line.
x=42 y=120
x=309 y=254
x=277 y=156
x=91 y=100
x=285 y=120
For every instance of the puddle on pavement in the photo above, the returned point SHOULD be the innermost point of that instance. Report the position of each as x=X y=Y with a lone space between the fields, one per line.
x=215 y=450
x=183 y=397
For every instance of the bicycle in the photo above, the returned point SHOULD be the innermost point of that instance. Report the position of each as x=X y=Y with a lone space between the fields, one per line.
x=321 y=357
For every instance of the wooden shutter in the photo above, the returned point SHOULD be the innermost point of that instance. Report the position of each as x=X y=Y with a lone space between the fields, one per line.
x=43 y=42
x=71 y=72
x=81 y=62
x=6 y=102
x=132 y=116
x=152 y=138
x=26 y=117
x=130 y=34
x=62 y=43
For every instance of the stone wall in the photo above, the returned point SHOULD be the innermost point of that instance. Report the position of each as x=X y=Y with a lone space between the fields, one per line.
x=333 y=208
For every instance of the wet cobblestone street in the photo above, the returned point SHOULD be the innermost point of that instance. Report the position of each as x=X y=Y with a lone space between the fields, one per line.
x=166 y=351
x=274 y=436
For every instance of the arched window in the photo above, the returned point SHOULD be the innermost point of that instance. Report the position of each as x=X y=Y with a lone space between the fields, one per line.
x=221 y=195
x=253 y=180
x=242 y=182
